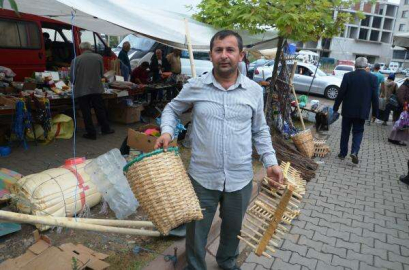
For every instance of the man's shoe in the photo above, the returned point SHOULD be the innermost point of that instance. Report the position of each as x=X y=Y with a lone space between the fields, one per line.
x=355 y=159
x=341 y=157
x=89 y=136
x=108 y=132
x=404 y=179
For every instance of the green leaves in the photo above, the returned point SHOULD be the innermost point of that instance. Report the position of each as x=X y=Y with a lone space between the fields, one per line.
x=13 y=5
x=302 y=20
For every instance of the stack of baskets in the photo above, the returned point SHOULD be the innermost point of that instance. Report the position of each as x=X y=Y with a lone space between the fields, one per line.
x=163 y=188
x=304 y=142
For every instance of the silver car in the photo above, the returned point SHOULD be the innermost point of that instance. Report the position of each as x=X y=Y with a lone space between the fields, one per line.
x=323 y=84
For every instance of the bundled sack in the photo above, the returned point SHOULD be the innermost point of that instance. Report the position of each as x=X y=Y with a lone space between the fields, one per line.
x=56 y=192
x=325 y=117
x=62 y=128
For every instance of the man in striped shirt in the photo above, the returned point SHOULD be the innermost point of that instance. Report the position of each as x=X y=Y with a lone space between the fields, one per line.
x=227 y=118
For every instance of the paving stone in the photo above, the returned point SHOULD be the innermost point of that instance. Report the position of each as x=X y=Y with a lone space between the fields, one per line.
x=368 y=258
x=264 y=261
x=338 y=261
x=309 y=219
x=323 y=238
x=365 y=266
x=381 y=229
x=362 y=240
x=387 y=264
x=324 y=223
x=248 y=266
x=375 y=221
x=351 y=229
x=281 y=265
x=324 y=266
x=290 y=246
x=374 y=251
x=300 y=260
x=314 y=254
x=393 y=257
x=363 y=225
x=338 y=234
x=342 y=252
x=375 y=235
x=393 y=240
x=314 y=228
x=304 y=241
x=348 y=245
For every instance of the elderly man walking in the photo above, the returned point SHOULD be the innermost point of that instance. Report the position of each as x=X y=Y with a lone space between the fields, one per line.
x=86 y=74
x=227 y=117
x=126 y=69
x=358 y=90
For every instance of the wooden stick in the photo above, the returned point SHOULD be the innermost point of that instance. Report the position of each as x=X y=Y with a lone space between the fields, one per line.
x=189 y=47
x=295 y=95
x=253 y=246
x=109 y=222
x=51 y=221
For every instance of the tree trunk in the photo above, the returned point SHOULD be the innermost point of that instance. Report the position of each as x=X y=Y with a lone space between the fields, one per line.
x=268 y=105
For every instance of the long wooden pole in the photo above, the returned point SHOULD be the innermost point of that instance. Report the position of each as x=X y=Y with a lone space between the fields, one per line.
x=189 y=47
x=52 y=221
x=109 y=222
x=295 y=95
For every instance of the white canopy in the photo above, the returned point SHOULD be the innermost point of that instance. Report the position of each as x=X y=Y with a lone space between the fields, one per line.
x=121 y=17
x=401 y=40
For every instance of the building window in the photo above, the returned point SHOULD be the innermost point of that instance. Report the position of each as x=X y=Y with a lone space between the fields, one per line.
x=406 y=2
x=402 y=27
x=405 y=14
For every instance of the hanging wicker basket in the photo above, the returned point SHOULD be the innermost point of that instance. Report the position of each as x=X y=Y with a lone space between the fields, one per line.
x=163 y=188
x=304 y=142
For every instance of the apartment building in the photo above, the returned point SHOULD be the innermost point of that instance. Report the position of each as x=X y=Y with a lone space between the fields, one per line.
x=401 y=55
x=370 y=37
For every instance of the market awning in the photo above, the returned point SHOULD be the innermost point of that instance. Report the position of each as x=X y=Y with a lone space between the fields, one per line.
x=401 y=40
x=122 y=17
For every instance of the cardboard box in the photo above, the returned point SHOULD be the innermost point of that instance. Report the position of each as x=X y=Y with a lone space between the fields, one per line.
x=42 y=255
x=125 y=114
x=142 y=142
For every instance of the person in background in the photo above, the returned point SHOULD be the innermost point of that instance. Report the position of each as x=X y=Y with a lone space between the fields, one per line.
x=243 y=66
x=87 y=71
x=398 y=136
x=125 y=63
x=158 y=65
x=389 y=88
x=140 y=75
x=358 y=90
x=48 y=51
x=176 y=69
x=228 y=118
x=380 y=83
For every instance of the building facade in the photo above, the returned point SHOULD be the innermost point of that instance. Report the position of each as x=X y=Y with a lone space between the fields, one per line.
x=370 y=37
x=401 y=55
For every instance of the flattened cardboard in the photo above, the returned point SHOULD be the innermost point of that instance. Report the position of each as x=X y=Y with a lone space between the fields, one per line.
x=142 y=142
x=43 y=256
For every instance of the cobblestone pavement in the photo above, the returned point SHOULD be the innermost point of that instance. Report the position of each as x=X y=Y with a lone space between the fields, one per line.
x=352 y=217
x=38 y=158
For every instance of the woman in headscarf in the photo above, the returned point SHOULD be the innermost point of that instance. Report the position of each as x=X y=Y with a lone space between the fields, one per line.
x=400 y=131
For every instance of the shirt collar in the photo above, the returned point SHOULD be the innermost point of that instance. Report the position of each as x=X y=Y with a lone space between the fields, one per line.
x=241 y=80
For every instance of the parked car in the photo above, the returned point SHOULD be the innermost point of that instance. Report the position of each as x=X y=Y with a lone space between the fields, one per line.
x=255 y=64
x=386 y=71
x=340 y=70
x=142 y=50
x=261 y=73
x=323 y=84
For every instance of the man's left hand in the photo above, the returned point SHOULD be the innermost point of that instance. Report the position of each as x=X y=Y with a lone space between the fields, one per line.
x=275 y=175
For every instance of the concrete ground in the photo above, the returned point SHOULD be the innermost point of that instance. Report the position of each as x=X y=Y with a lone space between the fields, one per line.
x=353 y=216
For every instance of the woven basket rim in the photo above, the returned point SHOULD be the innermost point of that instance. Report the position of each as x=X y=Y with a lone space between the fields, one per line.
x=145 y=155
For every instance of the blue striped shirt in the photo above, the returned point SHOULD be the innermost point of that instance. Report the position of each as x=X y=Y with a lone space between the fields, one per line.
x=224 y=125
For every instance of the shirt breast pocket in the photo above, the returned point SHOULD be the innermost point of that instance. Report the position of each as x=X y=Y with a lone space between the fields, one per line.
x=239 y=113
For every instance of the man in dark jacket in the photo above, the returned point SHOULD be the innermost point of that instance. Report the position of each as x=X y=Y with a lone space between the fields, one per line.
x=86 y=74
x=126 y=69
x=358 y=91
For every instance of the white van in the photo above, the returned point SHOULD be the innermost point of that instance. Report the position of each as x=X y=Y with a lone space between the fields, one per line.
x=394 y=67
x=142 y=50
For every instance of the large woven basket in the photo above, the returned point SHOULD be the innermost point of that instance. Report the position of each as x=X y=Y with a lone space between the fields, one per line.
x=304 y=142
x=161 y=185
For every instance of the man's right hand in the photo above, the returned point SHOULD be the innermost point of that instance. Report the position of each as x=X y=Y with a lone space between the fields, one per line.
x=163 y=141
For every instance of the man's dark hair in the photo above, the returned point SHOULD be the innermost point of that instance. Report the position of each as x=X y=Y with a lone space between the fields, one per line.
x=145 y=64
x=377 y=66
x=46 y=35
x=225 y=33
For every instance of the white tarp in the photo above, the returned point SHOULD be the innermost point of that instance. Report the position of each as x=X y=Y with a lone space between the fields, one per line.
x=401 y=40
x=121 y=17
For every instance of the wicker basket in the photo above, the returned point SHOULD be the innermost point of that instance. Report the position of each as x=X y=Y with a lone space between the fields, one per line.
x=161 y=185
x=304 y=142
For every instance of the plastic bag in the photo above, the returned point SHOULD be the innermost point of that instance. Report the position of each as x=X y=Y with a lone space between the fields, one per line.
x=62 y=128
